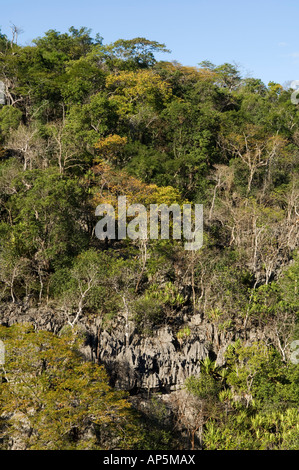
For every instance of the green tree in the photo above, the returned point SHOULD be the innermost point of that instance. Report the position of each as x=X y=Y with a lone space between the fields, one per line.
x=52 y=399
x=132 y=54
x=45 y=213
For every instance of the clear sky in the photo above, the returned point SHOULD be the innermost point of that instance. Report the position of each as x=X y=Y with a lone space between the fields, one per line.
x=261 y=36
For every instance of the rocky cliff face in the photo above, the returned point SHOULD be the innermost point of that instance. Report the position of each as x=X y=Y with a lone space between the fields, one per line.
x=158 y=362
x=143 y=364
x=135 y=362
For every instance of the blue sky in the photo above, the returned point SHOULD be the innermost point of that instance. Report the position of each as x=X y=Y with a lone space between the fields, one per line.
x=260 y=36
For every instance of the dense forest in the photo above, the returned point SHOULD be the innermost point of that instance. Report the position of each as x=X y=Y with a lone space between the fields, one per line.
x=85 y=122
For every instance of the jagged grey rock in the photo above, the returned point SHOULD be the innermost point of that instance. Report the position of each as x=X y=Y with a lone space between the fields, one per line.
x=134 y=362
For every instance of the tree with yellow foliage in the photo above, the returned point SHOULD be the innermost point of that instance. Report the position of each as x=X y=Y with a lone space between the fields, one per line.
x=131 y=90
x=110 y=148
x=51 y=399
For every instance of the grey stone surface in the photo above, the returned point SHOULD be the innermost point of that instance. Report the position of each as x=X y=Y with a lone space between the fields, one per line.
x=2 y=93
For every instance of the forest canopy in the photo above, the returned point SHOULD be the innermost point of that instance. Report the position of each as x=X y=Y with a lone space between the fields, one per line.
x=85 y=122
